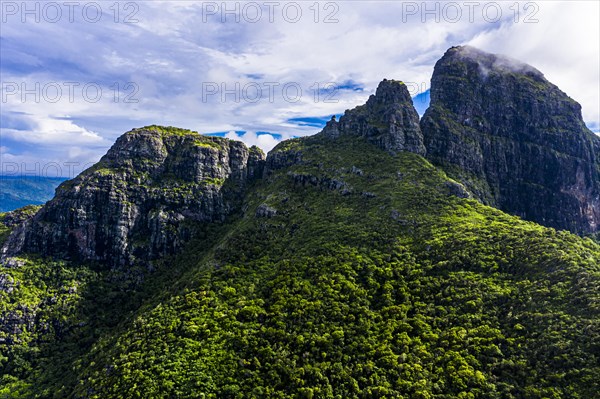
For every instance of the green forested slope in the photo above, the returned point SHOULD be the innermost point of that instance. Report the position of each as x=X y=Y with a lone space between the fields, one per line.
x=351 y=274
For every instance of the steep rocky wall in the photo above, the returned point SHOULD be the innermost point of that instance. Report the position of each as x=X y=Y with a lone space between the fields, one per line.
x=513 y=138
x=137 y=202
x=497 y=125
x=388 y=120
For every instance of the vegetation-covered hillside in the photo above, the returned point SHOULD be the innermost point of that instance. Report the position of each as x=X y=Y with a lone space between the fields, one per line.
x=19 y=191
x=349 y=273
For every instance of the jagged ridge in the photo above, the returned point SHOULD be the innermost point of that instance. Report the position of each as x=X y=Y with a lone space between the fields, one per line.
x=388 y=120
x=139 y=202
x=354 y=268
x=351 y=272
x=515 y=139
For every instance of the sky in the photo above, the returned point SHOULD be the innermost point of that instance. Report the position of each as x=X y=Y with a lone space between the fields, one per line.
x=76 y=75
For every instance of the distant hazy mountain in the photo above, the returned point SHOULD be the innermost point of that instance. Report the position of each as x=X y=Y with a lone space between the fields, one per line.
x=18 y=191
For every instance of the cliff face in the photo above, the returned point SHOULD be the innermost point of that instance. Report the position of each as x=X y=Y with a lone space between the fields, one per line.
x=514 y=139
x=388 y=120
x=351 y=267
x=496 y=125
x=136 y=203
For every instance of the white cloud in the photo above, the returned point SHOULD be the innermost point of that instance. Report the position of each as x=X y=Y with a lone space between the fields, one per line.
x=564 y=44
x=264 y=141
x=58 y=132
x=173 y=52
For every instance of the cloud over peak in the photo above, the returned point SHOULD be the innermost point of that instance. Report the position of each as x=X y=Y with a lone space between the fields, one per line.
x=233 y=67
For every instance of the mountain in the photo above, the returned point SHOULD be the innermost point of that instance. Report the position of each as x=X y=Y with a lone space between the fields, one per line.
x=344 y=265
x=514 y=139
x=136 y=202
x=388 y=120
x=19 y=191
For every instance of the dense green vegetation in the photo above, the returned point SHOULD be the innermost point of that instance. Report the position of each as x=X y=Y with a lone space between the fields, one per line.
x=369 y=280
x=165 y=131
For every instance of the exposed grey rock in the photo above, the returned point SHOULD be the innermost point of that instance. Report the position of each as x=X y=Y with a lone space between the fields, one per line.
x=7 y=283
x=279 y=159
x=357 y=171
x=514 y=139
x=16 y=322
x=135 y=203
x=12 y=262
x=388 y=120
x=302 y=179
x=265 y=211
x=458 y=190
x=256 y=163
x=18 y=216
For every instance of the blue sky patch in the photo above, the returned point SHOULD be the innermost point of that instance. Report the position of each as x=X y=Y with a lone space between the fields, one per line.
x=421 y=102
x=312 y=121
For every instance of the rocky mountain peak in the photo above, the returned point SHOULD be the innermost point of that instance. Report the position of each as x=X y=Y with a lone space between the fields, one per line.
x=141 y=200
x=512 y=138
x=388 y=120
x=390 y=92
x=139 y=144
x=515 y=139
x=486 y=62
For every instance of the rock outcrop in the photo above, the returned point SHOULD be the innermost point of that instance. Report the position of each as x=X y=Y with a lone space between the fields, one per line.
x=514 y=139
x=388 y=120
x=496 y=125
x=14 y=218
x=140 y=200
